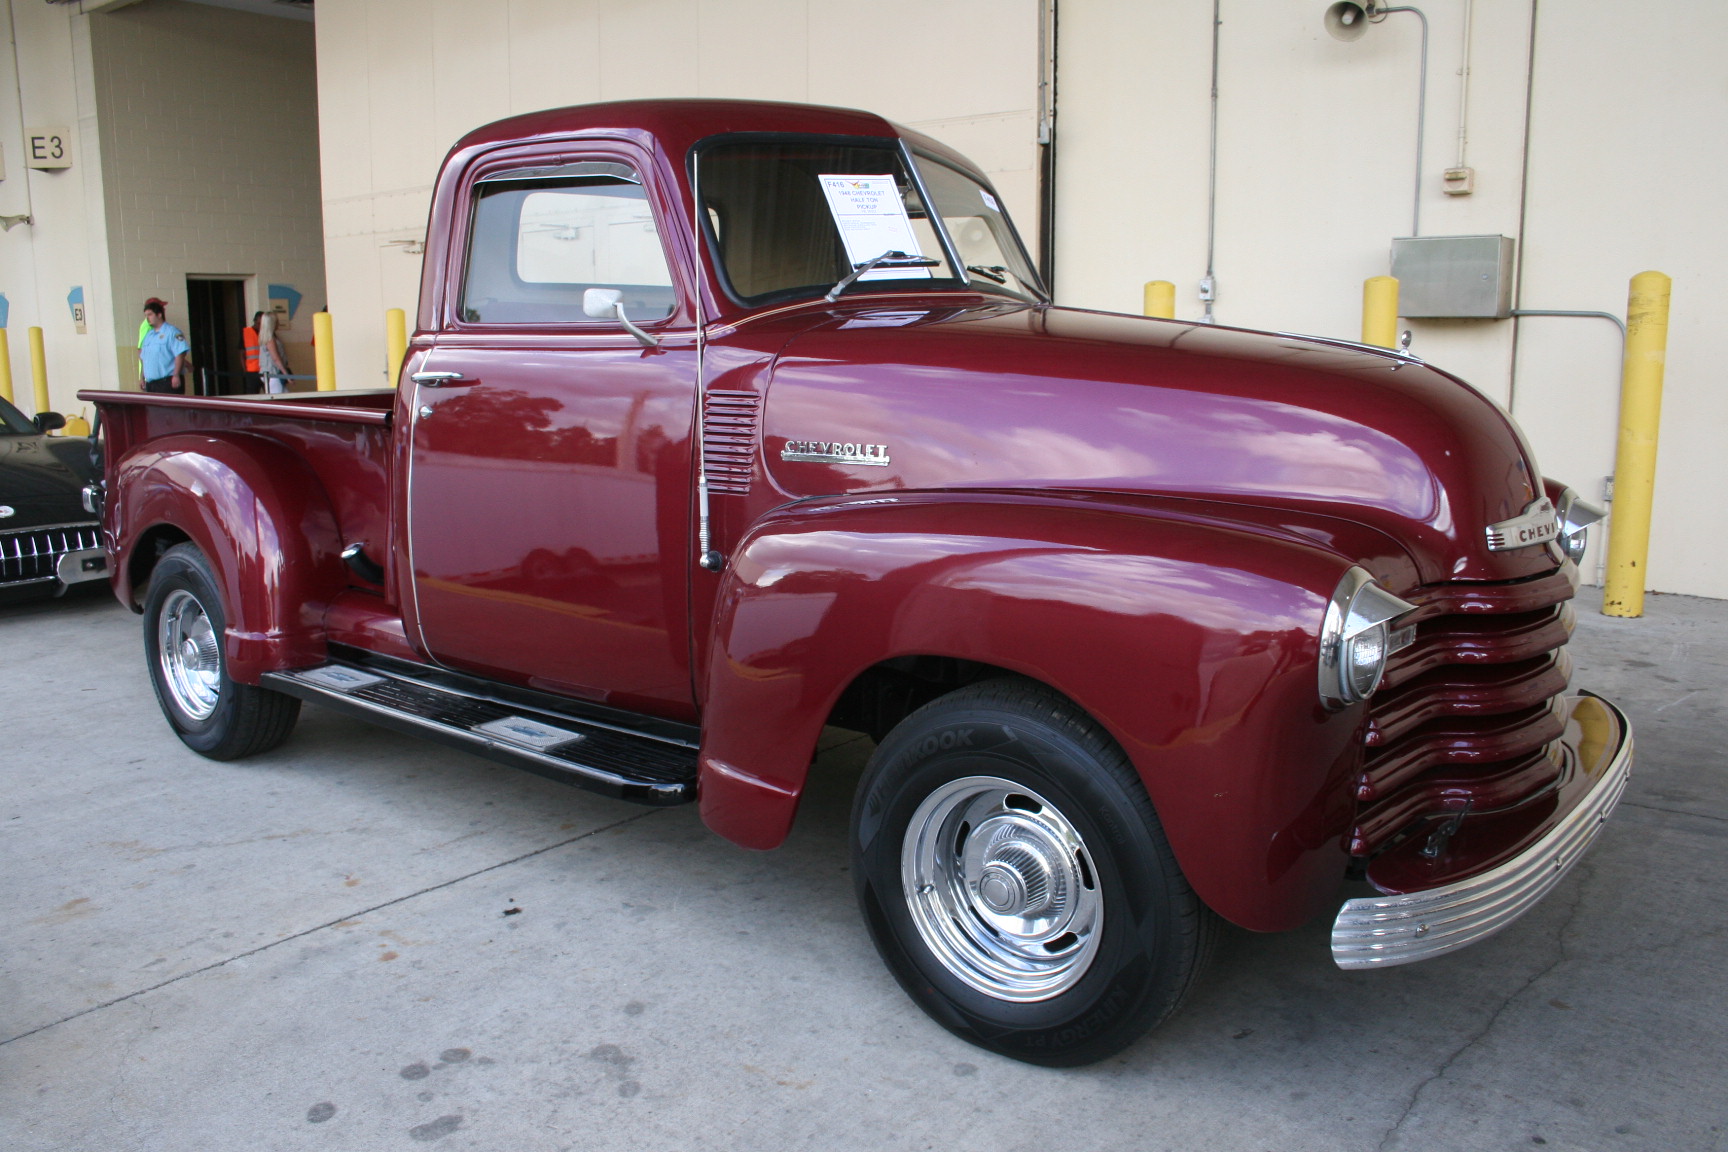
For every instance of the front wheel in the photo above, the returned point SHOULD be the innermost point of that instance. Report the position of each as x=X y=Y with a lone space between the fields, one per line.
x=1016 y=881
x=183 y=628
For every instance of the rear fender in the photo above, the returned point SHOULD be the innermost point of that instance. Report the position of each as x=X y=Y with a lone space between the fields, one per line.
x=261 y=516
x=1194 y=645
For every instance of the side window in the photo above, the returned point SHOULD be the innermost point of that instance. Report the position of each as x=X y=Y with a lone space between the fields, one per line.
x=542 y=238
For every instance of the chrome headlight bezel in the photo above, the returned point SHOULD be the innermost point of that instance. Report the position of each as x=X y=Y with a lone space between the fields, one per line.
x=1575 y=514
x=1356 y=638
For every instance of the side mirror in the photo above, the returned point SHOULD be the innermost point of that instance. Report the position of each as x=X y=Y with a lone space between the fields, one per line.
x=608 y=304
x=602 y=303
x=48 y=421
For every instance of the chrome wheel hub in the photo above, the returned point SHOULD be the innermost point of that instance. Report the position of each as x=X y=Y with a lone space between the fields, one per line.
x=190 y=655
x=1001 y=888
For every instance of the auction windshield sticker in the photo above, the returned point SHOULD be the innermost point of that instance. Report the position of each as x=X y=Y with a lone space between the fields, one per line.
x=872 y=220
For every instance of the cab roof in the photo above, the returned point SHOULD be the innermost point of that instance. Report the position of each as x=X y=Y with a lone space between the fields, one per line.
x=678 y=124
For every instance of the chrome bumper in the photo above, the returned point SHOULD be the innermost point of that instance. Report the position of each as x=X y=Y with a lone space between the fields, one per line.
x=1382 y=931
x=84 y=564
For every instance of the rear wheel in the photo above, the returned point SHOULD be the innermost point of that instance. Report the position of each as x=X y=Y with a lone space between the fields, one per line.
x=183 y=629
x=1016 y=881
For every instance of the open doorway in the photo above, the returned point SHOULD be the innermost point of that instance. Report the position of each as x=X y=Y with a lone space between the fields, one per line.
x=216 y=319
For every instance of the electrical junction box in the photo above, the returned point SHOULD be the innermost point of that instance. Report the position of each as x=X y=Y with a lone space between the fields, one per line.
x=1453 y=277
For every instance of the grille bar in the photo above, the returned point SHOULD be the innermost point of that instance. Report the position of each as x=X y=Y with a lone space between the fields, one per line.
x=1468 y=715
x=29 y=555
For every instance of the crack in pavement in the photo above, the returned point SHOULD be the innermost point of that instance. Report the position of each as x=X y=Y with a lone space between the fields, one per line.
x=1585 y=876
x=1674 y=811
x=331 y=924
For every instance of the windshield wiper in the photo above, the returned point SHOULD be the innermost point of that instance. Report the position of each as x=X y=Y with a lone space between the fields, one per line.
x=993 y=272
x=888 y=259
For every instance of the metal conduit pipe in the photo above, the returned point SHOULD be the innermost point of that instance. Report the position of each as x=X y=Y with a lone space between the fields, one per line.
x=1464 y=85
x=1209 y=284
x=1421 y=107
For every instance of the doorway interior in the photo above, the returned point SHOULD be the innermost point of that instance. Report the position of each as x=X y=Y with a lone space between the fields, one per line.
x=216 y=319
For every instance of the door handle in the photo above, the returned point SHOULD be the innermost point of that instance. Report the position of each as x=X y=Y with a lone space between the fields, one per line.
x=441 y=379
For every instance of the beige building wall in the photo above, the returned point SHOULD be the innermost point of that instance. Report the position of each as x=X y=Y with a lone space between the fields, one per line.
x=401 y=80
x=209 y=129
x=1316 y=160
x=1315 y=175
x=47 y=81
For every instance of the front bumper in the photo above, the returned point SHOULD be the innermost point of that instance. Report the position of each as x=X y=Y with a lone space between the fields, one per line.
x=1402 y=928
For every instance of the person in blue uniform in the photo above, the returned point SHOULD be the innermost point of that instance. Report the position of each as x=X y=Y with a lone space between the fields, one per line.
x=162 y=354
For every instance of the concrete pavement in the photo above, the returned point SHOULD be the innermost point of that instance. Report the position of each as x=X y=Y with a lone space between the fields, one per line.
x=361 y=942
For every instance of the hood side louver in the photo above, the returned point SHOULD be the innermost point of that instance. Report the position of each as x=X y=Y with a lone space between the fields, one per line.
x=729 y=429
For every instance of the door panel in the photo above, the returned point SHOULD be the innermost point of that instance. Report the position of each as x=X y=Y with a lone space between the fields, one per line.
x=549 y=485
x=549 y=499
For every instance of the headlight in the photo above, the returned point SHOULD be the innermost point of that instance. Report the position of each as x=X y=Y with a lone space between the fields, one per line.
x=1356 y=638
x=1575 y=515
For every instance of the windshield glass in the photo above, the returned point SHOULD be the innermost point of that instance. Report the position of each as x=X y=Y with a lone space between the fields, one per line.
x=793 y=218
x=13 y=422
x=994 y=260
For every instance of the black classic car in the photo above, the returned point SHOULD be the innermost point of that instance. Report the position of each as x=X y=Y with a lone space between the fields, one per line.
x=49 y=539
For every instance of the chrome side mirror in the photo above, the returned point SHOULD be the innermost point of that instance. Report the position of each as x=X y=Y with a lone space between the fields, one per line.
x=608 y=304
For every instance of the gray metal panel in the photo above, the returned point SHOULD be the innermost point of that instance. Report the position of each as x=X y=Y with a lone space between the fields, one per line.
x=1453 y=277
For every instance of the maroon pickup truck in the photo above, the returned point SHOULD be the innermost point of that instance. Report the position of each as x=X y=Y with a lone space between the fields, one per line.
x=726 y=421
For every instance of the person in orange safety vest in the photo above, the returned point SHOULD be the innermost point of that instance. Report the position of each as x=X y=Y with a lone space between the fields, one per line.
x=249 y=342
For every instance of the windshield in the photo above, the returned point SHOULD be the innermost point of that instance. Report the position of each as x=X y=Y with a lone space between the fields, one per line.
x=793 y=218
x=13 y=422
x=985 y=240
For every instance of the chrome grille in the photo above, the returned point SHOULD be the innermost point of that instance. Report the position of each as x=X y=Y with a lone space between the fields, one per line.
x=29 y=554
x=1468 y=716
x=729 y=439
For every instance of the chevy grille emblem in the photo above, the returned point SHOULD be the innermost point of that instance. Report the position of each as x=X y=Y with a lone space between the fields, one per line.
x=1537 y=524
x=830 y=452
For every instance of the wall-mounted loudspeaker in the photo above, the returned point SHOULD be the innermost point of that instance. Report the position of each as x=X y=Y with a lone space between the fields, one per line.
x=1348 y=19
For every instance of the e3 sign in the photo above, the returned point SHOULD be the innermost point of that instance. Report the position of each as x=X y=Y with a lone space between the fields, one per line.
x=47 y=148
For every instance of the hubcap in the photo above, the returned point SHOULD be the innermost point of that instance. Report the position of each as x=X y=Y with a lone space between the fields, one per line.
x=190 y=656
x=1001 y=888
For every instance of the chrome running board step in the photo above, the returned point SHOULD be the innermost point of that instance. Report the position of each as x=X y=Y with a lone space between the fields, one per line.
x=650 y=766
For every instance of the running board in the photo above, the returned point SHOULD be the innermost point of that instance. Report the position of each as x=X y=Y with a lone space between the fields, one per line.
x=643 y=768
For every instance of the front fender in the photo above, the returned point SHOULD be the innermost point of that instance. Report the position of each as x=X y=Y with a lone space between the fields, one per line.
x=1193 y=644
x=261 y=516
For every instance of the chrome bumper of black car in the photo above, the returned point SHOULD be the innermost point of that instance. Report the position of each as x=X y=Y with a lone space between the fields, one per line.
x=58 y=554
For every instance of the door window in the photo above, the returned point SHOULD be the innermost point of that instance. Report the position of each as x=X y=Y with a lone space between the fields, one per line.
x=542 y=239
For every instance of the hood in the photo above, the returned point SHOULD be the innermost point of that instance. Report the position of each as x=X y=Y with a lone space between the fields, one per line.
x=41 y=480
x=1009 y=396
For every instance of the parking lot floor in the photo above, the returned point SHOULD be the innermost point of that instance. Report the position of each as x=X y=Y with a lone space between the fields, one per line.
x=360 y=941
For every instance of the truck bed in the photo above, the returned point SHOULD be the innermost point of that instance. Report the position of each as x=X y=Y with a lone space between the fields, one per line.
x=343 y=436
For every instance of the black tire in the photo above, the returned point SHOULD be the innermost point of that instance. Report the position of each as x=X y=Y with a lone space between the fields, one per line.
x=1125 y=939
x=184 y=621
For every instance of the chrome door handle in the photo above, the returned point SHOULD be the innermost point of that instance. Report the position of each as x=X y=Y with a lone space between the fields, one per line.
x=440 y=379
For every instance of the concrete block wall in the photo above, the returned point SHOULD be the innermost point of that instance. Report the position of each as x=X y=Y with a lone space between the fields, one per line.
x=209 y=128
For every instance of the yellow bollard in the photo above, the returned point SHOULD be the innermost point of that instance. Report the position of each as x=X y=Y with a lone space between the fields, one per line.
x=5 y=367
x=396 y=341
x=324 y=351
x=1159 y=299
x=39 y=369
x=1635 y=459
x=1380 y=311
